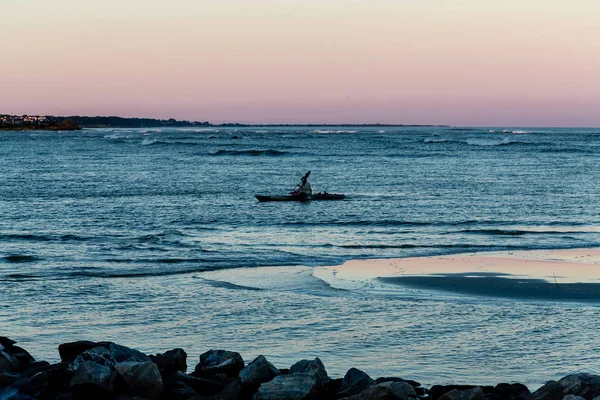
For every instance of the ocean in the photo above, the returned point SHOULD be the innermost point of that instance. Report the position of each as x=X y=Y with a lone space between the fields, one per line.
x=152 y=238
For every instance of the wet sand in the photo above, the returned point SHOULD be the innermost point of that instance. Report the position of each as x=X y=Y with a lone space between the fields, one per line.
x=561 y=275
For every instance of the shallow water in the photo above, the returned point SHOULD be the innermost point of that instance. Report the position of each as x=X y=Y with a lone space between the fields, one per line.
x=138 y=236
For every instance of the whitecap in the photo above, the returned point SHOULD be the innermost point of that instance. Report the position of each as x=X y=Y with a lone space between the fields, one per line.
x=148 y=141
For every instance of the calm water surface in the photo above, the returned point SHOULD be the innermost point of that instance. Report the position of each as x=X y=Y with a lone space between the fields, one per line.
x=134 y=236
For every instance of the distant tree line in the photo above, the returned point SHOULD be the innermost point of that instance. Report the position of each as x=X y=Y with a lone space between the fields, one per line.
x=120 y=122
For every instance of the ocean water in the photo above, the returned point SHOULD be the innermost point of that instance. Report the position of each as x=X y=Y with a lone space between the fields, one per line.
x=153 y=238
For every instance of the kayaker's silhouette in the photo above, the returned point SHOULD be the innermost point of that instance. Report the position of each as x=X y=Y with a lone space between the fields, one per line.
x=303 y=188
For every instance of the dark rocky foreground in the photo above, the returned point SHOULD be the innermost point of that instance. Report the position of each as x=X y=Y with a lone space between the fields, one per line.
x=106 y=370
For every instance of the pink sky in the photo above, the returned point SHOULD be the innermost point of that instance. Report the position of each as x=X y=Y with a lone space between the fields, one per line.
x=459 y=62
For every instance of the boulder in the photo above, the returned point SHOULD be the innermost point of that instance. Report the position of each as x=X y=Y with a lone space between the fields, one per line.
x=141 y=378
x=393 y=379
x=36 y=367
x=171 y=361
x=386 y=391
x=89 y=374
x=125 y=354
x=46 y=384
x=69 y=351
x=224 y=362
x=8 y=363
x=288 y=387
x=257 y=372
x=437 y=391
x=94 y=369
x=354 y=382
x=98 y=355
x=180 y=383
x=582 y=385
x=509 y=391
x=13 y=358
x=313 y=368
x=475 y=393
x=6 y=342
x=8 y=378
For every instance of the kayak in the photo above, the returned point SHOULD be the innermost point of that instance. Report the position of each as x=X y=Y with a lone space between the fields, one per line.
x=316 y=196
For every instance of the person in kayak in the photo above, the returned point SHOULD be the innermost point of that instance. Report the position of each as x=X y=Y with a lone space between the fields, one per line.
x=303 y=188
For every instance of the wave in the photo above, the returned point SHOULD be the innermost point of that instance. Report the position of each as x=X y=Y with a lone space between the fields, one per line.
x=434 y=140
x=254 y=153
x=42 y=238
x=521 y=232
x=20 y=258
x=149 y=142
x=492 y=142
x=322 y=131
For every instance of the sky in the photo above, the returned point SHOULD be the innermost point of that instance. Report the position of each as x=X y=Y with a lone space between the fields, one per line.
x=456 y=62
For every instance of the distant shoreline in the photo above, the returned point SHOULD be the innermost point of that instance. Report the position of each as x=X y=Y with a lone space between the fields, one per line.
x=12 y=123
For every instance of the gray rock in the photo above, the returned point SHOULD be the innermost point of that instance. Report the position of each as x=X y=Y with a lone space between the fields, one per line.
x=98 y=355
x=582 y=385
x=389 y=390
x=572 y=397
x=468 y=394
x=171 y=361
x=125 y=354
x=8 y=363
x=180 y=383
x=288 y=387
x=45 y=384
x=141 y=378
x=88 y=373
x=257 y=372
x=313 y=368
x=69 y=351
x=437 y=391
x=354 y=382
x=224 y=362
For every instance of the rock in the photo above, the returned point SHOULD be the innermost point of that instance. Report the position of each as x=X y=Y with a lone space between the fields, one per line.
x=45 y=384
x=6 y=342
x=386 y=391
x=13 y=358
x=288 y=387
x=438 y=391
x=125 y=354
x=99 y=355
x=475 y=393
x=7 y=378
x=8 y=363
x=313 y=368
x=582 y=385
x=141 y=378
x=257 y=372
x=181 y=383
x=354 y=382
x=220 y=362
x=69 y=351
x=88 y=373
x=509 y=391
x=36 y=367
x=391 y=379
x=572 y=397
x=94 y=369
x=171 y=361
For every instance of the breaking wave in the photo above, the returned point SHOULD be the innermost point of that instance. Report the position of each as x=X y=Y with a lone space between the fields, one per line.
x=492 y=142
x=254 y=153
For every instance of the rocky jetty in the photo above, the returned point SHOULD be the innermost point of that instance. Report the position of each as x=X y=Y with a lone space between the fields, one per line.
x=106 y=370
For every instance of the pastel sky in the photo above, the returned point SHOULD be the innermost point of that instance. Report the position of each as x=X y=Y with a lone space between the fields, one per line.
x=458 y=62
